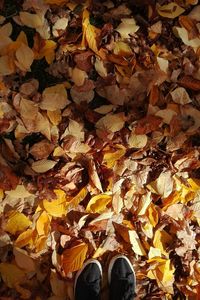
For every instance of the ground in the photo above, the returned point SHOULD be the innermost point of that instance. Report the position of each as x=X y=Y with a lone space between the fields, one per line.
x=99 y=144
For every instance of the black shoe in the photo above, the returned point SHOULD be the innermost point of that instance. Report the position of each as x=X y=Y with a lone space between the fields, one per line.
x=121 y=278
x=88 y=281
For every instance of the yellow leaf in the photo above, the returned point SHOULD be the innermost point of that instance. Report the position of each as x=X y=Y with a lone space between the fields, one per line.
x=171 y=10
x=161 y=240
x=11 y=274
x=57 y=207
x=1 y=194
x=98 y=203
x=194 y=183
x=122 y=49
x=54 y=116
x=167 y=271
x=40 y=243
x=44 y=48
x=144 y=203
x=136 y=243
x=147 y=228
x=77 y=199
x=90 y=34
x=43 y=224
x=154 y=252
x=17 y=222
x=73 y=258
x=25 y=238
x=110 y=158
x=153 y=215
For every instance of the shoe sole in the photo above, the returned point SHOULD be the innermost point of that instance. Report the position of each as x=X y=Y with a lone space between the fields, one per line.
x=89 y=261
x=113 y=260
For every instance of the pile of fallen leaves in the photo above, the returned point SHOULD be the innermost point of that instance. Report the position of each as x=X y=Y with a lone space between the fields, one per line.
x=99 y=144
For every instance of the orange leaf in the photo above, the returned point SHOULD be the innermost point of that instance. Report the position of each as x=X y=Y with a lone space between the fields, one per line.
x=25 y=238
x=73 y=258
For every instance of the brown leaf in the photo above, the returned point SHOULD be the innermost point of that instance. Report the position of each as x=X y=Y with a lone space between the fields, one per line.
x=83 y=60
x=190 y=83
x=8 y=180
x=189 y=25
x=42 y=149
x=148 y=124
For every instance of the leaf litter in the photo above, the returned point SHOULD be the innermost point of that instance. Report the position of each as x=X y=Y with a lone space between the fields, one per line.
x=99 y=144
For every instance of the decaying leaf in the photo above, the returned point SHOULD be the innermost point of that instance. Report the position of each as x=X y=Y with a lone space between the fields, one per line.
x=171 y=10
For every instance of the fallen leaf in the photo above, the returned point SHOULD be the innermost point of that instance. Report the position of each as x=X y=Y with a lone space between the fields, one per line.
x=23 y=260
x=11 y=274
x=136 y=243
x=112 y=155
x=25 y=57
x=17 y=222
x=137 y=140
x=171 y=10
x=144 y=203
x=183 y=35
x=94 y=175
x=127 y=27
x=58 y=207
x=90 y=34
x=111 y=122
x=25 y=238
x=72 y=204
x=43 y=165
x=43 y=224
x=58 y=286
x=163 y=185
x=98 y=203
x=72 y=259
x=54 y=97
x=161 y=240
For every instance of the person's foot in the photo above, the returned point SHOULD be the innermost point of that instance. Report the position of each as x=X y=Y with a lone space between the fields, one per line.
x=88 y=281
x=121 y=278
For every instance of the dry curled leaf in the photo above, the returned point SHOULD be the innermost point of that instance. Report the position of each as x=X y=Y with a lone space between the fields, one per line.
x=171 y=10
